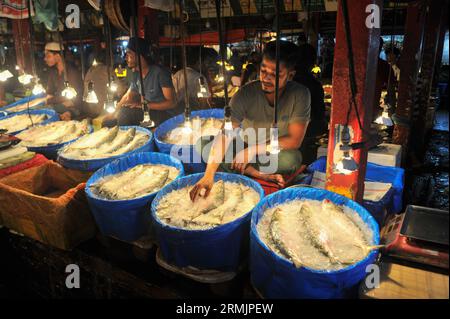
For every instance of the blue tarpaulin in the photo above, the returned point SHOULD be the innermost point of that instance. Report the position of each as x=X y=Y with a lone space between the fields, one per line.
x=277 y=277
x=52 y=116
x=221 y=248
x=128 y=219
x=95 y=164
x=187 y=151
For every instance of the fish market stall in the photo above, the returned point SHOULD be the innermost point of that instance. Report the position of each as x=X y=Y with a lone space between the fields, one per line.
x=97 y=149
x=17 y=122
x=49 y=138
x=31 y=102
x=171 y=138
x=210 y=234
x=120 y=193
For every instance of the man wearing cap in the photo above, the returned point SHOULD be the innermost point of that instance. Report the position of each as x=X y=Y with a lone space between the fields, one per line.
x=158 y=88
x=67 y=108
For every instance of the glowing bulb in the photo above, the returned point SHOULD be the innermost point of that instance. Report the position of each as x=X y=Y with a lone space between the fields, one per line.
x=25 y=79
x=5 y=75
x=203 y=92
x=228 y=126
x=219 y=78
x=68 y=92
x=110 y=106
x=187 y=127
x=38 y=88
x=147 y=122
x=94 y=63
x=17 y=68
x=274 y=147
x=384 y=119
x=347 y=164
x=91 y=96
x=113 y=86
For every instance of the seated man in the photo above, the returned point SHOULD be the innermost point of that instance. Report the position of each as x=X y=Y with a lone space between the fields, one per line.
x=252 y=110
x=67 y=108
x=158 y=87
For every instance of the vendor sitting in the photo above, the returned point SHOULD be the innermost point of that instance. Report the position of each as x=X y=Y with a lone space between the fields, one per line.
x=252 y=110
x=158 y=89
x=67 y=108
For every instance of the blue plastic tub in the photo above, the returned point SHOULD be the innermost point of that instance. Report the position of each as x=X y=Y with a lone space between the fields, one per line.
x=222 y=248
x=391 y=203
x=95 y=164
x=187 y=151
x=51 y=114
x=51 y=151
x=129 y=219
x=22 y=101
x=276 y=277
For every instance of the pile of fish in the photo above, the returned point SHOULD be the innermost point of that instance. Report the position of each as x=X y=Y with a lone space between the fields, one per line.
x=21 y=122
x=26 y=105
x=135 y=182
x=104 y=143
x=53 y=133
x=226 y=202
x=14 y=155
x=314 y=234
x=200 y=127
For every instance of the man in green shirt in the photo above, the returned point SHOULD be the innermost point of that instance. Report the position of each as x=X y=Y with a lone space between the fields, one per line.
x=252 y=111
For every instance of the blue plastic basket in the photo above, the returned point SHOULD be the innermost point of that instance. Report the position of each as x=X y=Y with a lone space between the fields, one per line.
x=221 y=248
x=189 y=150
x=276 y=277
x=22 y=101
x=129 y=219
x=95 y=164
x=52 y=117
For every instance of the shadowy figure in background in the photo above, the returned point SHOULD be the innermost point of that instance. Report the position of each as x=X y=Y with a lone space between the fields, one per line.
x=318 y=124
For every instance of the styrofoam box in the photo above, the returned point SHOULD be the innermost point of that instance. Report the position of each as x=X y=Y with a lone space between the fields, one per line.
x=385 y=154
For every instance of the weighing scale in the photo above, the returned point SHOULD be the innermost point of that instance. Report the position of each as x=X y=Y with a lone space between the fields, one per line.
x=420 y=235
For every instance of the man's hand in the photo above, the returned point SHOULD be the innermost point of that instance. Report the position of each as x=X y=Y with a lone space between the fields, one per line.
x=242 y=159
x=66 y=116
x=202 y=188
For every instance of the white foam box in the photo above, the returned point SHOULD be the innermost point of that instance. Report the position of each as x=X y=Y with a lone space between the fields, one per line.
x=385 y=154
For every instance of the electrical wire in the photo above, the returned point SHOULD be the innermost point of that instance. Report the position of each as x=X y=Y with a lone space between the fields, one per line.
x=222 y=56
x=277 y=57
x=187 y=108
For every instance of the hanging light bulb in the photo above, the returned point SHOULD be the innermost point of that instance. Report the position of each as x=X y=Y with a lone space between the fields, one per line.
x=203 y=92
x=147 y=122
x=91 y=96
x=274 y=147
x=68 y=92
x=219 y=78
x=38 y=88
x=384 y=118
x=347 y=165
x=113 y=86
x=228 y=126
x=17 y=67
x=5 y=75
x=25 y=79
x=94 y=63
x=110 y=106
x=187 y=126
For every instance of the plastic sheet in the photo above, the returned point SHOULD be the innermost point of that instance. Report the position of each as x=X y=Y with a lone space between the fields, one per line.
x=172 y=123
x=276 y=277
x=221 y=248
x=129 y=219
x=52 y=117
x=95 y=164
x=51 y=151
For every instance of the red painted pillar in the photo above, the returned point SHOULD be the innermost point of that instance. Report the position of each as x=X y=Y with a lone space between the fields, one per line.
x=435 y=20
x=409 y=64
x=365 y=42
x=21 y=33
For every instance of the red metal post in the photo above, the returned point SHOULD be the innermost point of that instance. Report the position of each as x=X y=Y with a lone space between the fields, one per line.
x=409 y=64
x=435 y=20
x=22 y=44
x=365 y=43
